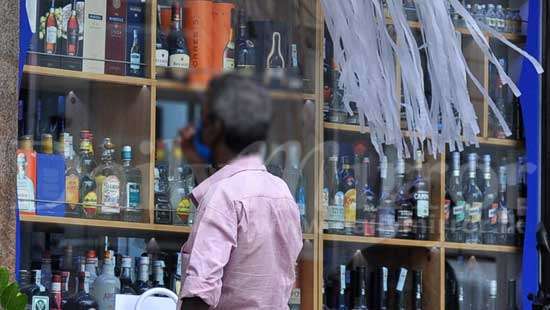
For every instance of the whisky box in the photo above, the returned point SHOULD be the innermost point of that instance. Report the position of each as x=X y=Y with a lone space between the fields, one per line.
x=115 y=41
x=94 y=36
x=50 y=185
x=136 y=22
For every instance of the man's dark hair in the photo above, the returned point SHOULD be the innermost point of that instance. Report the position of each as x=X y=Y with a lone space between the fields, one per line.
x=244 y=108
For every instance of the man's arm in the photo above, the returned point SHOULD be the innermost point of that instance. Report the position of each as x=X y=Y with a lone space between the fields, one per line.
x=193 y=303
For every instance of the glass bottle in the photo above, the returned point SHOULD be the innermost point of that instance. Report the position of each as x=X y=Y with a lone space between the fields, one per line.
x=55 y=293
x=143 y=284
x=88 y=195
x=511 y=304
x=403 y=206
x=245 y=49
x=36 y=292
x=492 y=300
x=72 y=177
x=65 y=290
x=518 y=22
x=109 y=178
x=347 y=186
x=342 y=289
x=417 y=290
x=503 y=216
x=455 y=201
x=229 y=54
x=386 y=210
x=275 y=61
x=178 y=59
x=161 y=52
x=474 y=202
x=400 y=289
x=292 y=175
x=176 y=279
x=420 y=201
x=163 y=212
x=500 y=16
x=25 y=186
x=362 y=289
x=179 y=200
x=133 y=210
x=158 y=273
x=47 y=143
x=521 y=201
x=490 y=16
x=73 y=33
x=366 y=210
x=382 y=299
x=335 y=214
x=135 y=55
x=106 y=286
x=50 y=39
x=126 y=285
x=46 y=271
x=91 y=268
x=490 y=205
x=84 y=299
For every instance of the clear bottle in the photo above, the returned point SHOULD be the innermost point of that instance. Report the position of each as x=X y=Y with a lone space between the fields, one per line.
x=91 y=268
x=503 y=220
x=474 y=202
x=179 y=200
x=126 y=285
x=292 y=175
x=404 y=208
x=109 y=178
x=490 y=205
x=455 y=203
x=135 y=55
x=500 y=18
x=335 y=214
x=245 y=49
x=133 y=210
x=143 y=284
x=366 y=211
x=106 y=286
x=386 y=210
x=158 y=273
x=347 y=186
x=420 y=195
x=72 y=177
x=88 y=195
x=492 y=300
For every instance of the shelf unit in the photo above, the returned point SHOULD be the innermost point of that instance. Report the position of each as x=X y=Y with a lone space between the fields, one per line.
x=312 y=268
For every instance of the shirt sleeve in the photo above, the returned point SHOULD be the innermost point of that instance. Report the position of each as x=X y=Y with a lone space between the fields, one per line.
x=215 y=237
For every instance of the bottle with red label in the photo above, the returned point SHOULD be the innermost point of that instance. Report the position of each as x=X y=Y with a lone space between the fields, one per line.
x=55 y=294
x=50 y=39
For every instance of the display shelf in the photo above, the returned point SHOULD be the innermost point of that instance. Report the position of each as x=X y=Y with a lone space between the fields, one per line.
x=380 y=241
x=481 y=247
x=96 y=77
x=307 y=236
x=103 y=224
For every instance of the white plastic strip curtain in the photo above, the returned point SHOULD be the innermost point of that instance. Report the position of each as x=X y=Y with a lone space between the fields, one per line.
x=365 y=57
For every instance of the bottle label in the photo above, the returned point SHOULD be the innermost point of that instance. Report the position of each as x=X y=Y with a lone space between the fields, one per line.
x=110 y=195
x=422 y=203
x=325 y=203
x=295 y=297
x=51 y=35
x=162 y=58
x=25 y=195
x=135 y=59
x=179 y=61
x=402 y=279
x=474 y=212
x=386 y=222
x=384 y=279
x=522 y=206
x=72 y=39
x=503 y=216
x=71 y=190
x=492 y=214
x=336 y=212
x=350 y=208
x=40 y=303
x=90 y=204
x=405 y=219
x=458 y=211
x=228 y=64
x=184 y=208
x=133 y=192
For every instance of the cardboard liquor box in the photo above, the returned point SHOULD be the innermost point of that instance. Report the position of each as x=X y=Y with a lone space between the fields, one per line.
x=23 y=190
x=50 y=185
x=115 y=44
x=94 y=36
x=135 y=54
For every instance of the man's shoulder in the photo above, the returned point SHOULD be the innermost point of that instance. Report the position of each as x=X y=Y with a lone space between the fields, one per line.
x=249 y=184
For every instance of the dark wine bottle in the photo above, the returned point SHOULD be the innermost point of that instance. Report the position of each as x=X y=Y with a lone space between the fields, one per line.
x=342 y=289
x=417 y=287
x=178 y=59
x=245 y=49
x=521 y=202
x=126 y=277
x=421 y=201
x=382 y=301
x=403 y=205
x=361 y=299
x=511 y=305
x=400 y=289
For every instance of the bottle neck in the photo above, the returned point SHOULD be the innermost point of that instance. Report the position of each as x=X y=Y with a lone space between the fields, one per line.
x=90 y=267
x=126 y=273
x=127 y=163
x=108 y=269
x=144 y=273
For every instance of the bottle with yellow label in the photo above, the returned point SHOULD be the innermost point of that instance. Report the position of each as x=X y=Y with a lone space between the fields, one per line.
x=179 y=201
x=72 y=177
x=350 y=196
x=109 y=179
x=87 y=185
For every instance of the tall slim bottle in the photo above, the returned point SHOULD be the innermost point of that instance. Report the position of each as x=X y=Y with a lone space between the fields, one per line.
x=421 y=201
x=490 y=205
x=474 y=201
x=511 y=304
x=403 y=205
x=417 y=290
x=133 y=211
x=143 y=284
x=386 y=210
x=245 y=49
x=342 y=289
x=362 y=300
x=454 y=201
x=126 y=285
x=382 y=299
x=135 y=54
x=521 y=201
x=335 y=214
x=73 y=29
x=400 y=289
x=50 y=39
x=88 y=195
x=350 y=196
x=72 y=178
x=504 y=233
x=492 y=300
x=55 y=293
x=179 y=57
x=366 y=211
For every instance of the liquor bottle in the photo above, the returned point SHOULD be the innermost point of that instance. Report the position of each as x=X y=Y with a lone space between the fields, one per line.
x=135 y=55
x=73 y=30
x=126 y=285
x=342 y=289
x=178 y=59
x=474 y=201
x=176 y=279
x=50 y=40
x=38 y=296
x=386 y=211
x=245 y=49
x=400 y=289
x=347 y=186
x=461 y=301
x=403 y=205
x=106 y=286
x=492 y=300
x=25 y=187
x=88 y=196
x=382 y=299
x=47 y=143
x=84 y=299
x=133 y=211
x=91 y=268
x=65 y=290
x=229 y=54
x=275 y=61
x=367 y=207
x=521 y=202
x=454 y=204
x=55 y=293
x=109 y=178
x=490 y=205
x=46 y=271
x=72 y=177
x=421 y=201
x=361 y=303
x=511 y=304
x=158 y=273
x=161 y=50
x=335 y=214
x=504 y=233
x=179 y=200
x=143 y=284
x=294 y=79
x=417 y=287
x=163 y=211
x=292 y=175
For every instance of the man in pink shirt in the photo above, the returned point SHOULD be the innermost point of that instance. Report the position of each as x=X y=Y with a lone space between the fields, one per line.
x=243 y=247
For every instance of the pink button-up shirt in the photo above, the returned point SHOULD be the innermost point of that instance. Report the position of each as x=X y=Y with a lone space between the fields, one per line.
x=245 y=242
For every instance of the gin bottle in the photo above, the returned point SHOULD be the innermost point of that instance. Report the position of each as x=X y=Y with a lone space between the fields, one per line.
x=454 y=202
x=490 y=205
x=474 y=202
x=133 y=211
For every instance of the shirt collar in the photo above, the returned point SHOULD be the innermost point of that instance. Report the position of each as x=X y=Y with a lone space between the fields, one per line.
x=241 y=163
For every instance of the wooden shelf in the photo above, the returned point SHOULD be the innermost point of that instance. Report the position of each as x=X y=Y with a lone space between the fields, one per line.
x=481 y=247
x=381 y=241
x=86 y=76
x=104 y=224
x=307 y=236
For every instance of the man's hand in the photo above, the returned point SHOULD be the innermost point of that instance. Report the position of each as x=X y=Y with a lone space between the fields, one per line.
x=194 y=303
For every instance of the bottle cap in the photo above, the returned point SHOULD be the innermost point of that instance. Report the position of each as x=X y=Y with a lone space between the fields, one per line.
x=47 y=143
x=26 y=143
x=126 y=152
